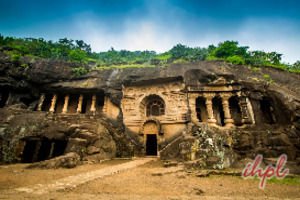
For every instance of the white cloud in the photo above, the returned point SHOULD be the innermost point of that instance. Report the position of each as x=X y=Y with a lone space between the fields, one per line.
x=145 y=34
x=269 y=35
x=135 y=35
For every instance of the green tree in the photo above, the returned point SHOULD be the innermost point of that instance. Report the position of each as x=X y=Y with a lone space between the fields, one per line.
x=197 y=54
x=179 y=51
x=211 y=48
x=297 y=64
x=274 y=58
x=81 y=45
x=78 y=56
x=2 y=42
x=229 y=48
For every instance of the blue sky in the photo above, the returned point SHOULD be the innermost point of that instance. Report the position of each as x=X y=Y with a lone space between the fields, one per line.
x=269 y=25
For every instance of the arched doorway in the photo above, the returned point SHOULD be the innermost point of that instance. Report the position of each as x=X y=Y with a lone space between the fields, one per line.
x=151 y=130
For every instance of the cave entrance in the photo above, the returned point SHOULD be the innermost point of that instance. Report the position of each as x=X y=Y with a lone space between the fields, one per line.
x=218 y=111
x=3 y=97
x=100 y=102
x=201 y=109
x=47 y=102
x=73 y=103
x=267 y=111
x=42 y=149
x=235 y=111
x=151 y=144
x=29 y=150
x=59 y=147
x=59 y=103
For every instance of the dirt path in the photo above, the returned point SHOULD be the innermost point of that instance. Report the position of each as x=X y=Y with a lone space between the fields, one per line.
x=152 y=181
x=76 y=180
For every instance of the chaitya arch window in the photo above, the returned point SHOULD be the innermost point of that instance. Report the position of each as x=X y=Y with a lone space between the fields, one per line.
x=155 y=107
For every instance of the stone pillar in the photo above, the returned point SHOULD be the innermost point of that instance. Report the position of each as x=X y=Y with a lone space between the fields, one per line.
x=192 y=105
x=246 y=115
x=93 y=105
x=104 y=109
x=210 y=112
x=51 y=150
x=80 y=101
x=52 y=108
x=65 y=108
x=42 y=98
x=228 y=120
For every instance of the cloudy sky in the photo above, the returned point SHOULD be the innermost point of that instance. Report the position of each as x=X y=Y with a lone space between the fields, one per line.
x=269 y=25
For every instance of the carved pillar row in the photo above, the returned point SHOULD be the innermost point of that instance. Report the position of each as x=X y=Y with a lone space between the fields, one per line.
x=65 y=108
x=93 y=105
x=210 y=112
x=228 y=120
x=42 y=98
x=80 y=101
x=192 y=104
x=53 y=103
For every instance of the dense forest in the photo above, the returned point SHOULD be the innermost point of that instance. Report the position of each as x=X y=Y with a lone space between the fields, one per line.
x=79 y=51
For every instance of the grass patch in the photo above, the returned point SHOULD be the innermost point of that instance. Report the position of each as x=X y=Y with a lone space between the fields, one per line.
x=213 y=58
x=163 y=57
x=285 y=181
x=124 y=66
x=181 y=60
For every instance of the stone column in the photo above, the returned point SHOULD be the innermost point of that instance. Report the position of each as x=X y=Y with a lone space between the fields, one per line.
x=104 y=109
x=228 y=120
x=52 y=108
x=244 y=109
x=210 y=112
x=93 y=105
x=42 y=98
x=65 y=108
x=192 y=105
x=80 y=101
x=51 y=150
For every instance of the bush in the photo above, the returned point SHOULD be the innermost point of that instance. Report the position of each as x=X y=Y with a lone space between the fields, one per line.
x=80 y=71
x=213 y=58
x=236 y=60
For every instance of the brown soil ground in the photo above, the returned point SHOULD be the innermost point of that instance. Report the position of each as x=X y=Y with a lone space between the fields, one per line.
x=139 y=183
x=14 y=176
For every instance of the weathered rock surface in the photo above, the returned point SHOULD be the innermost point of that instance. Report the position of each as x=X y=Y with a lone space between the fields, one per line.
x=69 y=160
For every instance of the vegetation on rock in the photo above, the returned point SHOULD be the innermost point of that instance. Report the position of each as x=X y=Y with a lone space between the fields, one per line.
x=79 y=51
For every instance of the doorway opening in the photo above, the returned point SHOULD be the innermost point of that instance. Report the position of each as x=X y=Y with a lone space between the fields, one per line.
x=218 y=111
x=267 y=111
x=151 y=145
x=201 y=109
x=47 y=102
